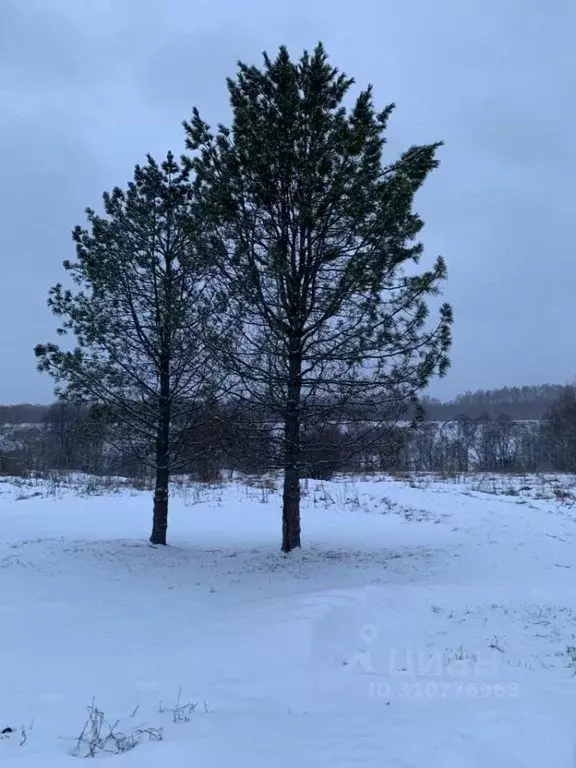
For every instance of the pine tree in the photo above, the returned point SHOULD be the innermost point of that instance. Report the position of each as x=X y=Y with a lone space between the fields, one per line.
x=313 y=235
x=142 y=308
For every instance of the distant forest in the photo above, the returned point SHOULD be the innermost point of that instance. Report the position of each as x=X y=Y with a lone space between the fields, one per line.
x=528 y=403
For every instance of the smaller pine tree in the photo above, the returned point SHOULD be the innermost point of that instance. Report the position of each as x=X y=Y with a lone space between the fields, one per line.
x=139 y=312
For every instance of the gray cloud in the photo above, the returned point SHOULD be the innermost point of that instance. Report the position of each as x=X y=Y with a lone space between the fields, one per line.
x=86 y=89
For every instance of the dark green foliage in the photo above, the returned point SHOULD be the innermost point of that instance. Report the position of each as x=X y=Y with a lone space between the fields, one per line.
x=140 y=308
x=315 y=240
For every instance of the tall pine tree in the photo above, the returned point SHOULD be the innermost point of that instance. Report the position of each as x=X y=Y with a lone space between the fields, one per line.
x=313 y=234
x=142 y=305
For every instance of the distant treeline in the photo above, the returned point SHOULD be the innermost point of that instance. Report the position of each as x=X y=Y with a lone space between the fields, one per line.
x=528 y=403
x=218 y=439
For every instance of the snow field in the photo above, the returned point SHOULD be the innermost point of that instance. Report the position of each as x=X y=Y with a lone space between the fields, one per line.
x=425 y=624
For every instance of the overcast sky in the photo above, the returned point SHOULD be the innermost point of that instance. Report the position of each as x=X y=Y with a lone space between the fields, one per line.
x=87 y=87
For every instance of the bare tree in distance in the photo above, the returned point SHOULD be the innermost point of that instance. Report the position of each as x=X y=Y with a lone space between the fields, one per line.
x=558 y=432
x=140 y=312
x=315 y=240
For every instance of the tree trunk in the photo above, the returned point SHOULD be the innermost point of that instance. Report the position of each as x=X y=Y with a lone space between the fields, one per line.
x=292 y=449
x=160 y=514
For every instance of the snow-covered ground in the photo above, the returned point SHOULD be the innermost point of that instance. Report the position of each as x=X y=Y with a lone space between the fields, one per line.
x=425 y=624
